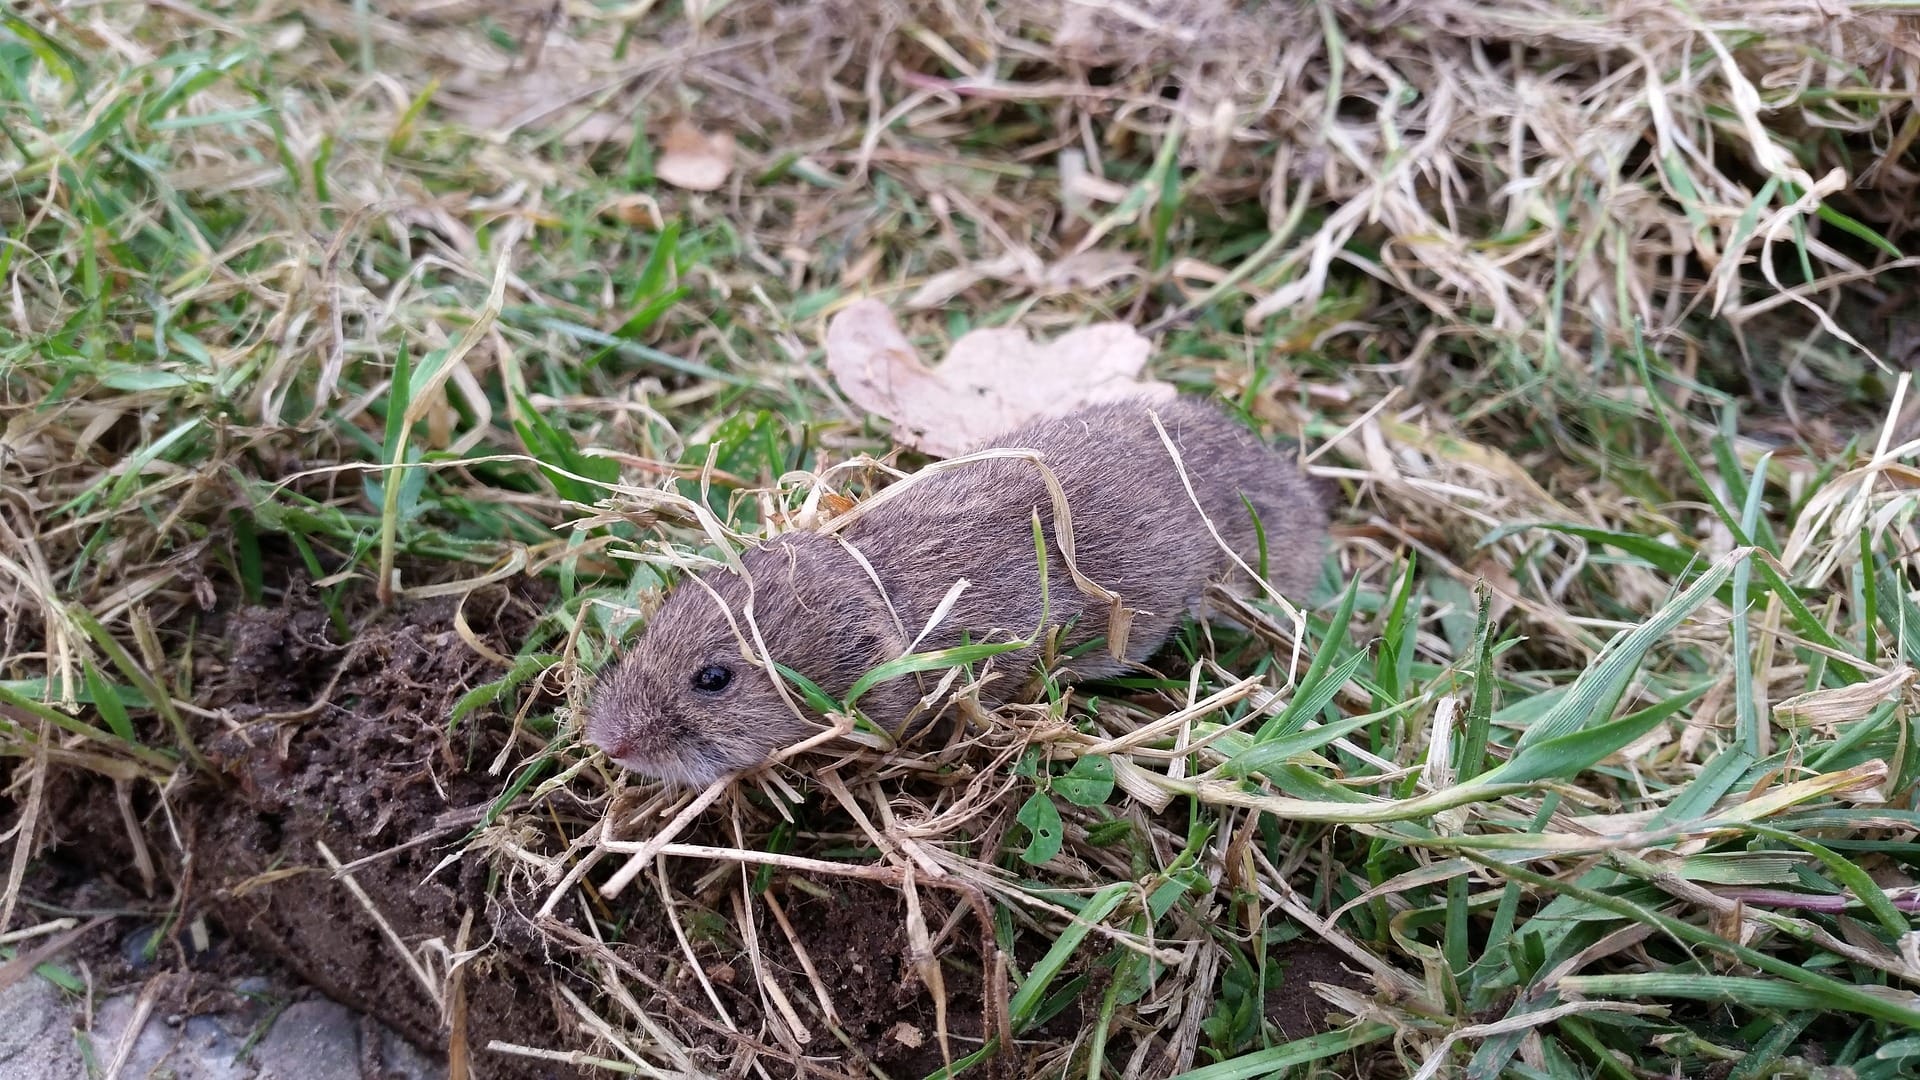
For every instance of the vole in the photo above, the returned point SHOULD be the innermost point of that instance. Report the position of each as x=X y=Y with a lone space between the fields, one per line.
x=691 y=701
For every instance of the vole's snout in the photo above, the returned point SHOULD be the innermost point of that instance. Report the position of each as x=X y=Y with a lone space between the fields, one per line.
x=649 y=749
x=614 y=742
x=617 y=720
x=624 y=723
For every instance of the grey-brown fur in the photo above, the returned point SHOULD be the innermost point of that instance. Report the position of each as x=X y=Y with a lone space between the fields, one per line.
x=1135 y=532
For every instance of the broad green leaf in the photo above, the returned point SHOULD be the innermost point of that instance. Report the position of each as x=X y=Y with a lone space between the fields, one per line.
x=1042 y=820
x=1088 y=783
x=107 y=700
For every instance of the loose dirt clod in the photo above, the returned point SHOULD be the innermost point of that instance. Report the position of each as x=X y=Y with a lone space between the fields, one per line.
x=376 y=774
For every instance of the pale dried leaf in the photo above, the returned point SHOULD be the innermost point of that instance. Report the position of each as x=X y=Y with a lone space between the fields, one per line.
x=694 y=161
x=993 y=380
x=446 y=12
x=1091 y=270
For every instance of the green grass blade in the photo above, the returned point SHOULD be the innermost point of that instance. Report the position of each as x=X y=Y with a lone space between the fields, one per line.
x=1746 y=718
x=1471 y=758
x=107 y=700
x=1598 y=688
x=1316 y=687
x=58 y=719
x=1851 y=875
x=1566 y=756
x=1026 y=1001
x=928 y=661
x=156 y=696
x=393 y=455
x=1804 y=621
x=1835 y=995
x=1722 y=989
x=1662 y=556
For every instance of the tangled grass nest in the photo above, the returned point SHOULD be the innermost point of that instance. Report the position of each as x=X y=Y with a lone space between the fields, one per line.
x=1597 y=759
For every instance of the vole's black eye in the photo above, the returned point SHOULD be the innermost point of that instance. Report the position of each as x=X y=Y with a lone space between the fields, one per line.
x=712 y=679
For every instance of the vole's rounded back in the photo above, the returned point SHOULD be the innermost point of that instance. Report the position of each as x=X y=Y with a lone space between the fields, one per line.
x=688 y=704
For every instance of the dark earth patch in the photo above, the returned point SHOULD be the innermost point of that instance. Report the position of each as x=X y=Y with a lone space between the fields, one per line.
x=857 y=939
x=347 y=745
x=1294 y=1006
x=189 y=968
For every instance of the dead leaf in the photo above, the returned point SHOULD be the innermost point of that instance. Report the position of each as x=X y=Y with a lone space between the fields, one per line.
x=990 y=383
x=1841 y=704
x=1080 y=187
x=1092 y=270
x=861 y=269
x=515 y=108
x=638 y=209
x=446 y=12
x=694 y=161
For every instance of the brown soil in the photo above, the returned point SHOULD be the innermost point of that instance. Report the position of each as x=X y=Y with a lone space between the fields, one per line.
x=1294 y=1006
x=369 y=769
x=857 y=940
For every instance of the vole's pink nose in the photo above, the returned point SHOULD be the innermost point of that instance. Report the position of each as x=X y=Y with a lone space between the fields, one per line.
x=615 y=739
x=615 y=744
